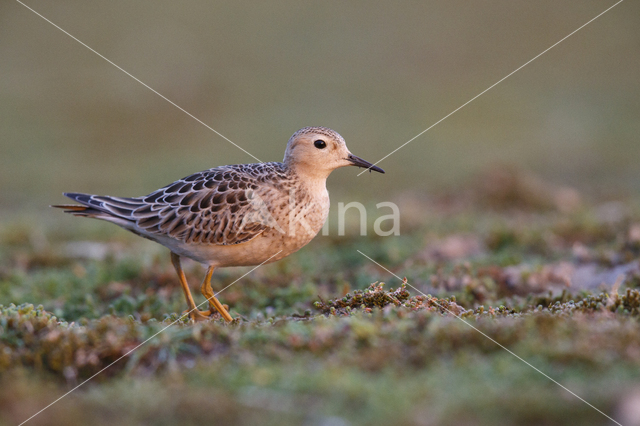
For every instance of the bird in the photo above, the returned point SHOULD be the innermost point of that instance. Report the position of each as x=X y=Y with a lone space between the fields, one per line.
x=235 y=215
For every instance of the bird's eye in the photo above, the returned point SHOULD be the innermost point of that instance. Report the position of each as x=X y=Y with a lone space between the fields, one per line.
x=320 y=144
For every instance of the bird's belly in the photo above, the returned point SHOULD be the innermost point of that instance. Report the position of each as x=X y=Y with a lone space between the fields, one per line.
x=272 y=245
x=262 y=249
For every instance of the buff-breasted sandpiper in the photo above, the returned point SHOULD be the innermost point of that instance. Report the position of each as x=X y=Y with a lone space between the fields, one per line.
x=239 y=215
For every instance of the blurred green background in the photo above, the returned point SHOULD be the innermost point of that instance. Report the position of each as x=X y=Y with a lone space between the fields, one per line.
x=378 y=73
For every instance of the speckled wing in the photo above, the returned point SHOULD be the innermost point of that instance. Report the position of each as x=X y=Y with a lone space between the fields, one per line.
x=219 y=206
x=214 y=207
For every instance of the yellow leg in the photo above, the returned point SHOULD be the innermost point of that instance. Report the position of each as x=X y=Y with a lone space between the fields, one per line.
x=214 y=303
x=206 y=285
x=194 y=313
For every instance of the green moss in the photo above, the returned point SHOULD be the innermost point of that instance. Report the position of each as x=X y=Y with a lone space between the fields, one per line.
x=315 y=341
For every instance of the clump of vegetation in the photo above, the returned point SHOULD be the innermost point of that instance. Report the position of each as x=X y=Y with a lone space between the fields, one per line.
x=372 y=297
x=626 y=304
x=375 y=296
x=31 y=336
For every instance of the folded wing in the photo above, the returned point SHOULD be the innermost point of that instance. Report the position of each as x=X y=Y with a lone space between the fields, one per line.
x=219 y=206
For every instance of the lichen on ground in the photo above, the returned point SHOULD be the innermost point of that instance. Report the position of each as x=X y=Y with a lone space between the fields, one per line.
x=314 y=340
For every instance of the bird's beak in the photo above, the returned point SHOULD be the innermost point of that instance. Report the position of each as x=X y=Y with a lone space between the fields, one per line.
x=359 y=162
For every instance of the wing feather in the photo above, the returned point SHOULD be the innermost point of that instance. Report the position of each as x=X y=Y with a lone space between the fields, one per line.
x=219 y=206
x=212 y=207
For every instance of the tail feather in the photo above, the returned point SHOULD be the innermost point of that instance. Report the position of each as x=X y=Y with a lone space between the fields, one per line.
x=113 y=209
x=70 y=207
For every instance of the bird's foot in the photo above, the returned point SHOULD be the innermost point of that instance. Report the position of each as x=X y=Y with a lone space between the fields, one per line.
x=213 y=313
x=208 y=315
x=196 y=315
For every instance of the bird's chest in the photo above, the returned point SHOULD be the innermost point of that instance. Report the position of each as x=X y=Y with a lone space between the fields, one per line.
x=300 y=217
x=307 y=216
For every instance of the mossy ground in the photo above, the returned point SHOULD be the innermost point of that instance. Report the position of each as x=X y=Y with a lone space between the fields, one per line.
x=315 y=342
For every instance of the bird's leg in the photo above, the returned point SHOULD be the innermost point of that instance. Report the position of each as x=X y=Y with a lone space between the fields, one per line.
x=194 y=313
x=204 y=288
x=214 y=303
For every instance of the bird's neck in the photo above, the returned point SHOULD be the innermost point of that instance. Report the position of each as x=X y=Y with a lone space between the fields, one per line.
x=314 y=180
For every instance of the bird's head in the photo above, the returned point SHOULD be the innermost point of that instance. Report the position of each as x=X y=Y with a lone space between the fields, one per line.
x=317 y=151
